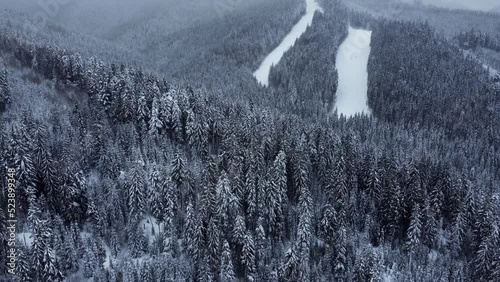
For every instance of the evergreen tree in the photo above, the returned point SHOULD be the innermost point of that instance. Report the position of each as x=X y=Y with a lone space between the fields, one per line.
x=276 y=195
x=155 y=125
x=23 y=271
x=136 y=188
x=414 y=233
x=340 y=267
x=5 y=92
x=179 y=177
x=227 y=204
x=304 y=233
x=226 y=270
x=192 y=233
x=248 y=257
x=44 y=266
x=289 y=270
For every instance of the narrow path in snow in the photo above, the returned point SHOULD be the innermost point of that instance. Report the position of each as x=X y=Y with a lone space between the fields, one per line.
x=352 y=67
x=262 y=74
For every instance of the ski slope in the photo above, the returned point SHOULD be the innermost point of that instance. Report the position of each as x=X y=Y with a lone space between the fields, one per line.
x=352 y=67
x=262 y=74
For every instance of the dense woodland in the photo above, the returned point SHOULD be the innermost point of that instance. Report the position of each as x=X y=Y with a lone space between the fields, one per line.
x=473 y=39
x=249 y=191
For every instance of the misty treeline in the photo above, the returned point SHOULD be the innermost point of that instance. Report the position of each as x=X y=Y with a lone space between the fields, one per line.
x=474 y=39
x=448 y=22
x=246 y=193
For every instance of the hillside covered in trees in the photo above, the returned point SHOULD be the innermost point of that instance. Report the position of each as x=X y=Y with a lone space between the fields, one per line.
x=127 y=171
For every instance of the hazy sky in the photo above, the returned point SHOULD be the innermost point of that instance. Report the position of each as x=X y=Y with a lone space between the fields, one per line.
x=484 y=5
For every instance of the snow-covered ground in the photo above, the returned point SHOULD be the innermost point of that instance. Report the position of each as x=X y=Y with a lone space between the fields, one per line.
x=262 y=74
x=25 y=238
x=352 y=67
x=492 y=71
x=151 y=228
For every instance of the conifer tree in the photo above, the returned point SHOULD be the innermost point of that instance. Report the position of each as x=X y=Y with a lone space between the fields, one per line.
x=226 y=270
x=136 y=188
x=44 y=265
x=289 y=271
x=5 y=92
x=155 y=125
x=276 y=195
x=414 y=233
x=248 y=257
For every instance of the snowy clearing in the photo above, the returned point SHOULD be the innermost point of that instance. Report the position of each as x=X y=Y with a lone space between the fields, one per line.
x=262 y=74
x=151 y=228
x=25 y=238
x=352 y=67
x=107 y=262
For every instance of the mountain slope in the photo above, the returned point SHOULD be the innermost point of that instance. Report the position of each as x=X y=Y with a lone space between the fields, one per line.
x=125 y=175
x=448 y=22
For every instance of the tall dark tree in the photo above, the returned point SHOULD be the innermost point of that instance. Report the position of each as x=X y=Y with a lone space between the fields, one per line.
x=5 y=91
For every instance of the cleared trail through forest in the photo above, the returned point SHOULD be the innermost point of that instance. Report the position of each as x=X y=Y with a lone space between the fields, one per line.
x=352 y=67
x=262 y=74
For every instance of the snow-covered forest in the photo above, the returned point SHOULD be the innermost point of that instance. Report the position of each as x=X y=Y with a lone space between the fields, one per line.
x=156 y=155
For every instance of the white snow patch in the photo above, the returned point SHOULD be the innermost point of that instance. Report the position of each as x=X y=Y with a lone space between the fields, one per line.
x=389 y=275
x=352 y=67
x=26 y=238
x=85 y=235
x=107 y=262
x=151 y=228
x=493 y=72
x=432 y=255
x=262 y=74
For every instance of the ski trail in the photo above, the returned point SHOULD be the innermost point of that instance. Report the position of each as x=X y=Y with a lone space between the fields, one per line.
x=352 y=67
x=262 y=74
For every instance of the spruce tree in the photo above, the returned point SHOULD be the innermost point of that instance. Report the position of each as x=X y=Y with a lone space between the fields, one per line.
x=136 y=188
x=5 y=92
x=226 y=270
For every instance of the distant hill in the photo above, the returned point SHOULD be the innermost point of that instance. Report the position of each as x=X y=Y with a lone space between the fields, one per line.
x=447 y=21
x=445 y=4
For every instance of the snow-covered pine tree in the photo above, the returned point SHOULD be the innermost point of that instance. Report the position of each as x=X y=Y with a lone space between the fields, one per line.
x=155 y=125
x=212 y=248
x=227 y=204
x=171 y=115
x=226 y=270
x=248 y=257
x=136 y=188
x=90 y=261
x=196 y=131
x=239 y=229
x=5 y=92
x=289 y=270
x=192 y=233
x=276 y=196
x=180 y=183
x=261 y=248
x=146 y=272
x=155 y=194
x=304 y=233
x=137 y=240
x=414 y=232
x=340 y=263
x=43 y=260
x=23 y=271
